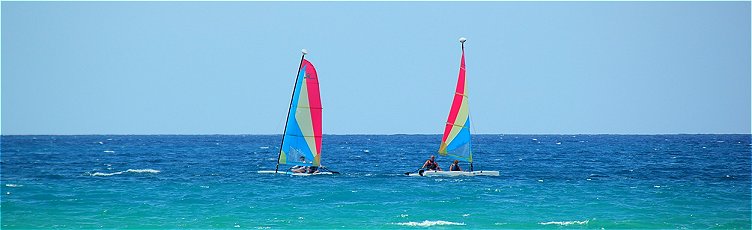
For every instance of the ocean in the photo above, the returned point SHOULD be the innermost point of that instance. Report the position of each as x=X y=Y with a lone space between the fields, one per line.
x=210 y=181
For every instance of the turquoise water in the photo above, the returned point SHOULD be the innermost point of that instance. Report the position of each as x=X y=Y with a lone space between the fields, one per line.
x=547 y=181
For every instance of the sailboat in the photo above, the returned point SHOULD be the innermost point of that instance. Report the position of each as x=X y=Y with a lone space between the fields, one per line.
x=456 y=141
x=301 y=139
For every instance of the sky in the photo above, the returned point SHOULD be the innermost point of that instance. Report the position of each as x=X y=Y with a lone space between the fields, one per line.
x=383 y=67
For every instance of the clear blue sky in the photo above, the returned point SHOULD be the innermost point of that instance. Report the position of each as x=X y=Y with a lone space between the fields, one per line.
x=384 y=67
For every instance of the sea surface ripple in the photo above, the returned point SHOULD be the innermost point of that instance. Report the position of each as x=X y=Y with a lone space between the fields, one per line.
x=210 y=181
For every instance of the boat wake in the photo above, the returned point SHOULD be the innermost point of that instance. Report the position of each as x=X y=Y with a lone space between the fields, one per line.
x=153 y=171
x=428 y=223
x=564 y=223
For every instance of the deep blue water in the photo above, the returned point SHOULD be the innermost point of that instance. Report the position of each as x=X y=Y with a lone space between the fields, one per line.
x=210 y=181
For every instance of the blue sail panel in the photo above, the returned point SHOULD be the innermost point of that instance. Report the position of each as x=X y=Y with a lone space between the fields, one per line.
x=460 y=148
x=295 y=147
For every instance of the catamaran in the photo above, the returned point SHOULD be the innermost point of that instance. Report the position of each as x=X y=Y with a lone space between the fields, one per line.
x=301 y=139
x=456 y=140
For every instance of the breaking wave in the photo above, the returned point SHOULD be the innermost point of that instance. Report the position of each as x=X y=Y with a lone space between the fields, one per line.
x=428 y=223
x=564 y=223
x=142 y=170
x=154 y=171
x=106 y=174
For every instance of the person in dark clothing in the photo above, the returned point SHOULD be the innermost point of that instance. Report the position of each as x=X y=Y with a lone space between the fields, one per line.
x=431 y=164
x=455 y=166
x=301 y=168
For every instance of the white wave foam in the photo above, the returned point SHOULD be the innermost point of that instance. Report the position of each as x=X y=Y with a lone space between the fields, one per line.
x=428 y=223
x=13 y=185
x=565 y=223
x=126 y=171
x=264 y=147
x=142 y=170
x=106 y=174
x=109 y=151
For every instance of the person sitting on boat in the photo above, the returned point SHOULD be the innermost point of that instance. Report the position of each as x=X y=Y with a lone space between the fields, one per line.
x=300 y=168
x=455 y=166
x=431 y=164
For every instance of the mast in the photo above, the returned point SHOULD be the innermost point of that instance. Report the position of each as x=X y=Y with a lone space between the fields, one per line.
x=462 y=42
x=292 y=97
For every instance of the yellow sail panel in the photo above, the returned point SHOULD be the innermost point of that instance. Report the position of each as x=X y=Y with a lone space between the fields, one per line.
x=282 y=158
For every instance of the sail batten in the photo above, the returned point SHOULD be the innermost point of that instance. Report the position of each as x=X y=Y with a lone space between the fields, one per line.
x=456 y=125
x=455 y=142
x=291 y=135
x=302 y=137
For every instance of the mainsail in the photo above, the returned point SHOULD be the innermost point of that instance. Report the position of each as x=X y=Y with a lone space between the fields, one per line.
x=301 y=141
x=456 y=140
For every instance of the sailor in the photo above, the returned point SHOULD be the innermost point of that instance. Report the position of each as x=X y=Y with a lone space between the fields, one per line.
x=431 y=164
x=300 y=168
x=312 y=169
x=455 y=166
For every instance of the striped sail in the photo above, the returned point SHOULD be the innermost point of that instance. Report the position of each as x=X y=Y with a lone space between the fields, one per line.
x=456 y=140
x=302 y=137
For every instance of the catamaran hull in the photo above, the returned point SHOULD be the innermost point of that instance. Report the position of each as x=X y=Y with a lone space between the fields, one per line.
x=432 y=173
x=295 y=174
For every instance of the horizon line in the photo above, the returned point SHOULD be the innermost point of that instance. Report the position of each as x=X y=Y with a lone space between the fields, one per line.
x=378 y=134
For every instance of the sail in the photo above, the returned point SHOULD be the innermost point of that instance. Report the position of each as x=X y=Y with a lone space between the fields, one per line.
x=302 y=137
x=456 y=140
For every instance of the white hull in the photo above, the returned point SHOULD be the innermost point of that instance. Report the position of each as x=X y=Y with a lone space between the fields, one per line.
x=432 y=173
x=294 y=174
